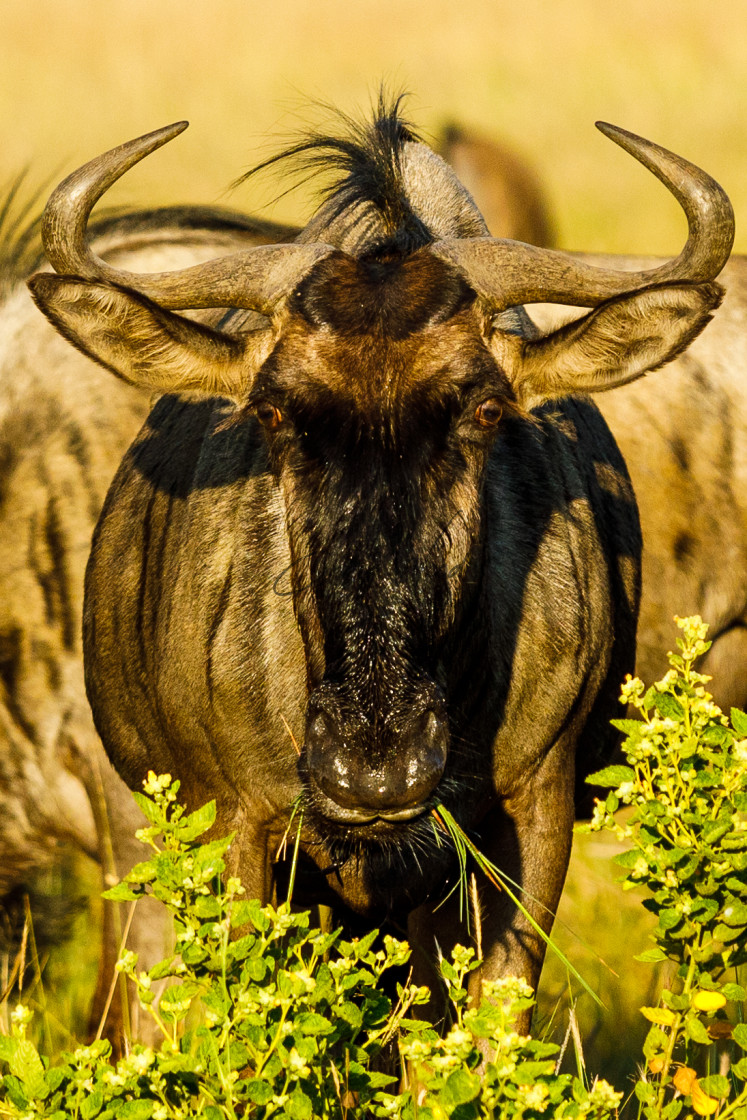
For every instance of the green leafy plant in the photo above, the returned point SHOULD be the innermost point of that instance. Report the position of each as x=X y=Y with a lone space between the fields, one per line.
x=260 y=1015
x=686 y=782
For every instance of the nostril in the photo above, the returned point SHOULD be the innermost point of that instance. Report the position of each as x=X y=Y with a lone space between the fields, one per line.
x=328 y=761
x=425 y=755
x=435 y=735
x=398 y=773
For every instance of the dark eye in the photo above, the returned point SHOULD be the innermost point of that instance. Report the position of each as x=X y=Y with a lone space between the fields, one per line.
x=489 y=413
x=269 y=415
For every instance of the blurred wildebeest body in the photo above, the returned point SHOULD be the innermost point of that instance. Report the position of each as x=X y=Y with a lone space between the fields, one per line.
x=685 y=444
x=506 y=188
x=385 y=526
x=63 y=430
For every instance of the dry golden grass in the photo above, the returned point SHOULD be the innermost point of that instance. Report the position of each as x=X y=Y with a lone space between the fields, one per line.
x=77 y=77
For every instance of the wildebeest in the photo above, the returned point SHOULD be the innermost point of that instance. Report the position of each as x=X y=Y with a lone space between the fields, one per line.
x=369 y=512
x=507 y=190
x=63 y=431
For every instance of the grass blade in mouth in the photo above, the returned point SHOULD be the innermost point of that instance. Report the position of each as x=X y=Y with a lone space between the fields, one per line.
x=501 y=882
x=296 y=811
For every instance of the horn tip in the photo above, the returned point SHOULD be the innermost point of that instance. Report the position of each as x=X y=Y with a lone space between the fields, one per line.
x=174 y=129
x=610 y=130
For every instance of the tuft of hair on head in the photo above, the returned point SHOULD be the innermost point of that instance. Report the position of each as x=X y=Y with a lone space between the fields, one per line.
x=361 y=163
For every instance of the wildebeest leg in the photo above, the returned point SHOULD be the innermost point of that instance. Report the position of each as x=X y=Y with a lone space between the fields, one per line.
x=250 y=856
x=726 y=662
x=150 y=934
x=529 y=838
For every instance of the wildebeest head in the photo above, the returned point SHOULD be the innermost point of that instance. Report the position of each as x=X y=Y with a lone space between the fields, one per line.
x=383 y=354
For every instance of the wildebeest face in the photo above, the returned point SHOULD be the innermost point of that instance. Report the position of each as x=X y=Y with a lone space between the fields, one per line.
x=382 y=386
x=380 y=404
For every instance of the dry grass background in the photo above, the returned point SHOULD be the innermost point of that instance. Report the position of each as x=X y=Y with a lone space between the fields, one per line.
x=77 y=77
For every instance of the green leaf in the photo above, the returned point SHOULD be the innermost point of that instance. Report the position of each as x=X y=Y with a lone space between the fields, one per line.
x=352 y=1014
x=241 y=912
x=695 y=1030
x=612 y=776
x=256 y=968
x=92 y=1104
x=149 y=809
x=714 y=830
x=715 y=1086
x=656 y=1040
x=378 y=1080
x=645 y=1091
x=27 y=1065
x=122 y=893
x=526 y=1073
x=739 y=722
x=196 y=823
x=311 y=1023
x=176 y=1001
x=612 y=802
x=734 y=992
x=627 y=726
x=740 y=1068
x=675 y=1002
x=162 y=969
x=141 y=873
x=734 y=913
x=669 y=918
x=739 y=1035
x=260 y=1092
x=717 y=735
x=299 y=1106
x=723 y=932
x=460 y=1088
x=627 y=859
x=8 y=1046
x=668 y=706
x=652 y=956
x=136 y=1110
x=56 y=1075
x=206 y=906
x=13 y=1088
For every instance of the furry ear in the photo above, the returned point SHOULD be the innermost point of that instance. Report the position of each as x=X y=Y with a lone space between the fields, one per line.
x=146 y=345
x=616 y=342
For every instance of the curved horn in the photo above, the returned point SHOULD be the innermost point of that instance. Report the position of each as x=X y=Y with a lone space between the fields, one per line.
x=509 y=273
x=253 y=278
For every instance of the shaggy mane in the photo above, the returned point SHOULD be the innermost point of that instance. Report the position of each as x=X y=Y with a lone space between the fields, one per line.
x=362 y=165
